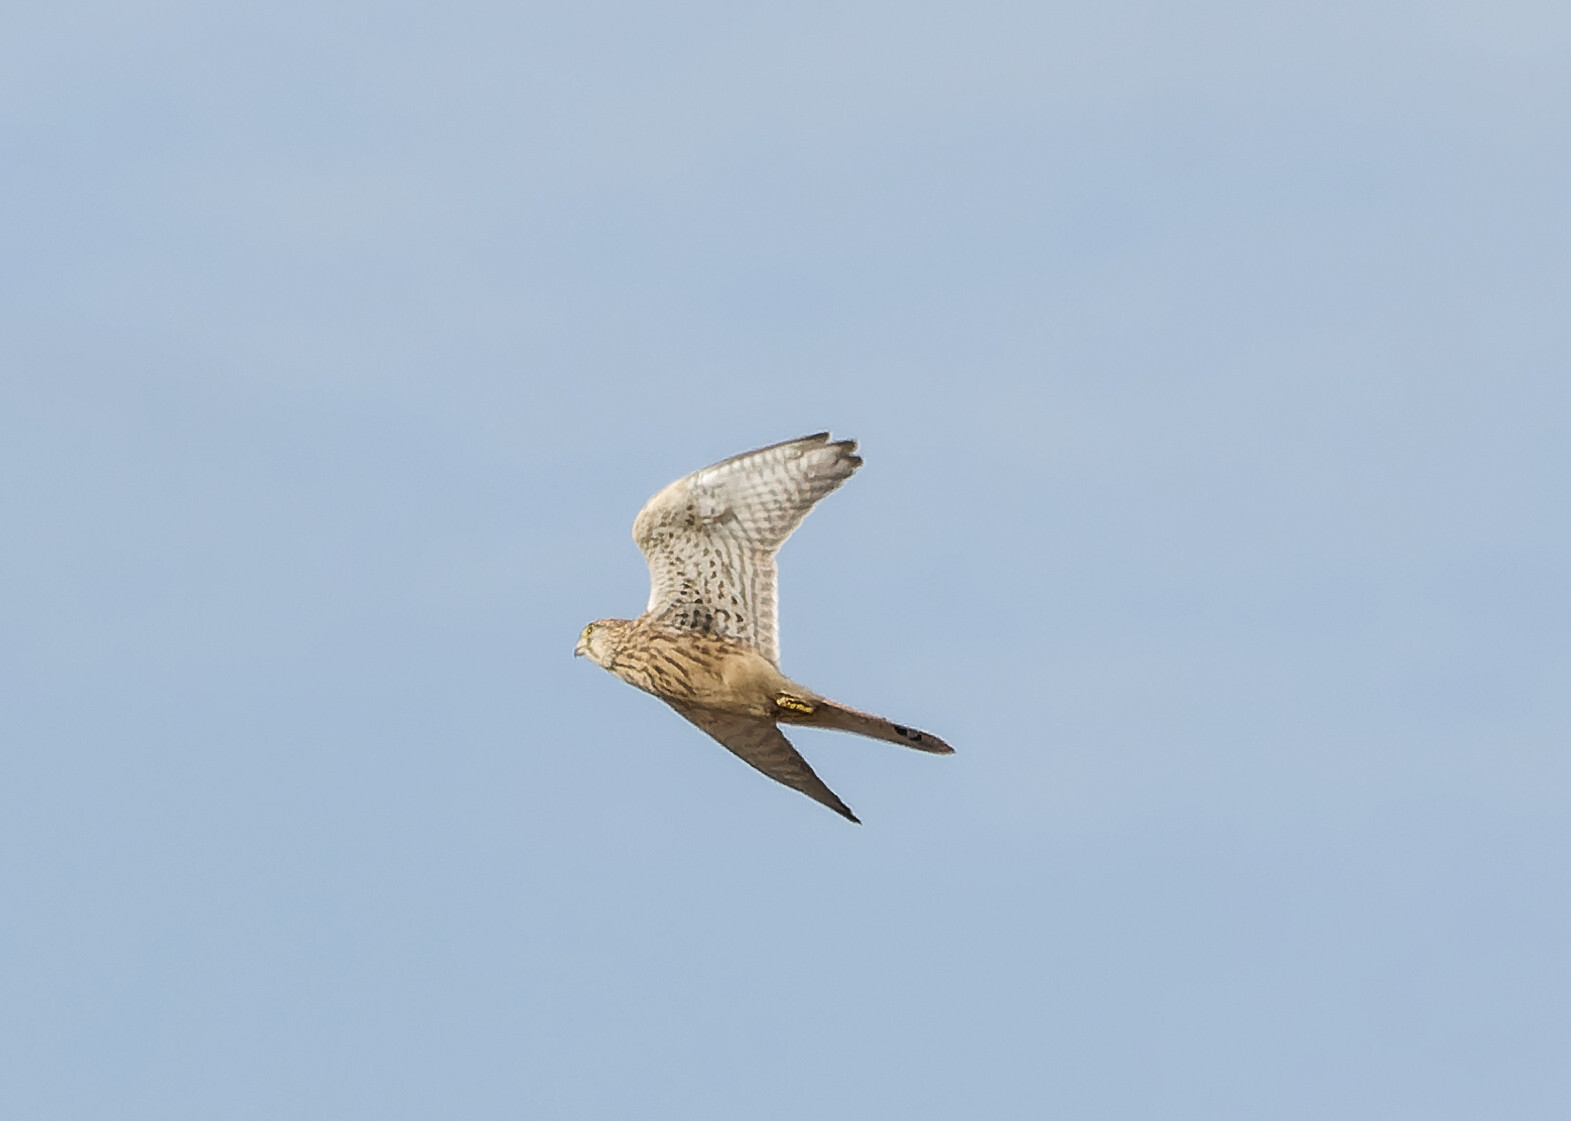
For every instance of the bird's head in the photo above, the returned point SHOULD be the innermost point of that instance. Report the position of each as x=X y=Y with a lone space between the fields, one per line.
x=599 y=641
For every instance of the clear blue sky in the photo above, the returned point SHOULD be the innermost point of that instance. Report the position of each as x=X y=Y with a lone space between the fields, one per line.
x=1212 y=367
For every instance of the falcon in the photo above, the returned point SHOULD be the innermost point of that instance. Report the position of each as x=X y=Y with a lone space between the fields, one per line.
x=707 y=644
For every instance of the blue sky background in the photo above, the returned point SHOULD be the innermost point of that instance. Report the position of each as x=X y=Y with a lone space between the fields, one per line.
x=1211 y=367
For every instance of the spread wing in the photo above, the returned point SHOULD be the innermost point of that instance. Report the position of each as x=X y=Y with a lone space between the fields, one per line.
x=711 y=538
x=760 y=744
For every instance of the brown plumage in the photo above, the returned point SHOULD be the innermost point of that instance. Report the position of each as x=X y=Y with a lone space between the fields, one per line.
x=708 y=643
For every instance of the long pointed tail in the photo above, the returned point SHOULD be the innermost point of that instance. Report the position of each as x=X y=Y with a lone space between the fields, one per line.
x=828 y=714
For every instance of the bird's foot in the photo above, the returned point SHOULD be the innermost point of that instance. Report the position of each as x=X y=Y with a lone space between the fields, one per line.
x=793 y=704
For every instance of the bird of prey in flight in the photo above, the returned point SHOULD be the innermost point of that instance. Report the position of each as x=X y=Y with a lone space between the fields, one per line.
x=706 y=644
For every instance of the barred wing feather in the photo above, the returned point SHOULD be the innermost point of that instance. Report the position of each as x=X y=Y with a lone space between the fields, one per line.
x=711 y=538
x=761 y=745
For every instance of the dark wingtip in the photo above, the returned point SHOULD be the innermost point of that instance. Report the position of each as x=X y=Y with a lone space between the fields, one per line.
x=839 y=807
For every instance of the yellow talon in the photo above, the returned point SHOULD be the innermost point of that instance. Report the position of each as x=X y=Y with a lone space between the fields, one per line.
x=794 y=704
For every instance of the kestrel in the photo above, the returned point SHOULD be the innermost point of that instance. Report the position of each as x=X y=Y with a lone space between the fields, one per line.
x=706 y=645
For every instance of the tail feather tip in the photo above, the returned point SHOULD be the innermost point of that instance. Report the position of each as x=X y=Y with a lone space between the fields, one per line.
x=923 y=741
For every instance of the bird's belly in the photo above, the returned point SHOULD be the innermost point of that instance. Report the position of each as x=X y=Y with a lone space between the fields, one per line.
x=706 y=672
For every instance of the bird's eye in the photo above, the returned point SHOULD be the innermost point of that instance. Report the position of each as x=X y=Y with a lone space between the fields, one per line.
x=589 y=630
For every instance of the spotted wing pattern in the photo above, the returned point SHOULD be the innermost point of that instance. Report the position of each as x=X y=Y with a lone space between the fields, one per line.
x=711 y=538
x=763 y=746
